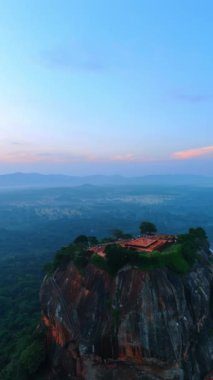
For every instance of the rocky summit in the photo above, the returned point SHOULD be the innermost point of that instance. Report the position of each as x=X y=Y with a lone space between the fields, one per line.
x=135 y=325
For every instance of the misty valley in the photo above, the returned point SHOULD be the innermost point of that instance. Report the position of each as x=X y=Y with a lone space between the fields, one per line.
x=42 y=220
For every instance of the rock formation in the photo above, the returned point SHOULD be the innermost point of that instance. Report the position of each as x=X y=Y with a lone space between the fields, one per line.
x=136 y=325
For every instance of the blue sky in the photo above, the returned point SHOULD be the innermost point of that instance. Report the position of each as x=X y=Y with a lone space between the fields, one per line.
x=116 y=87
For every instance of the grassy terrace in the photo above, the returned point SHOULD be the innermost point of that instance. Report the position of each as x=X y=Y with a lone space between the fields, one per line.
x=179 y=257
x=116 y=258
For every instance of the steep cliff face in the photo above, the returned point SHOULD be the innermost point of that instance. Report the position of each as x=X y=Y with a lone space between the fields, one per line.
x=137 y=325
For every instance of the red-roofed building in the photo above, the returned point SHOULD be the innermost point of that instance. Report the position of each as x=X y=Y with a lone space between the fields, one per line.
x=144 y=244
x=150 y=243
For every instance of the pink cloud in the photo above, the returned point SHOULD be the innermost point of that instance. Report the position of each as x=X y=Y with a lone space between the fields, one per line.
x=64 y=157
x=193 y=153
x=27 y=157
x=124 y=157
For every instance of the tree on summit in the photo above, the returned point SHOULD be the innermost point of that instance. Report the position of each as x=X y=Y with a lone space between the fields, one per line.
x=148 y=228
x=119 y=234
x=81 y=239
x=86 y=240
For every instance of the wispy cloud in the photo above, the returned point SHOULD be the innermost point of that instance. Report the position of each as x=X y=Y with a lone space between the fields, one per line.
x=45 y=157
x=20 y=143
x=124 y=157
x=65 y=157
x=73 y=57
x=193 y=153
x=191 y=98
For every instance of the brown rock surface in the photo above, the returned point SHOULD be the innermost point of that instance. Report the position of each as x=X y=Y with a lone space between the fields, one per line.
x=136 y=326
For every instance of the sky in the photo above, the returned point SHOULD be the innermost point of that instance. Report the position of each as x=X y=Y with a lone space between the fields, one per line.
x=106 y=87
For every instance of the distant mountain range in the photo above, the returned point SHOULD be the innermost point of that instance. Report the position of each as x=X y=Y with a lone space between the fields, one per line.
x=32 y=180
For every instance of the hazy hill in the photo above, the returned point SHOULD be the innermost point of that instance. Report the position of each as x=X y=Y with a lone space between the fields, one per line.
x=20 y=180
